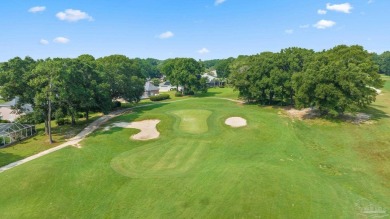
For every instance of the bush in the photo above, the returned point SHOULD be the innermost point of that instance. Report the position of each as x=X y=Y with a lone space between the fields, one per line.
x=178 y=94
x=62 y=121
x=160 y=97
x=4 y=121
x=190 y=92
x=116 y=104
x=80 y=115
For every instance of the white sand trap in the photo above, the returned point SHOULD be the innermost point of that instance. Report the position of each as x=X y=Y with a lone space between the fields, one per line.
x=235 y=122
x=376 y=90
x=147 y=127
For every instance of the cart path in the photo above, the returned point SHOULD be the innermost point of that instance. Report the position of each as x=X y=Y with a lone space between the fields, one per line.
x=88 y=130
x=73 y=141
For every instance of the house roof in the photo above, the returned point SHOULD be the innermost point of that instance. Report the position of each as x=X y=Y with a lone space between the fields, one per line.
x=10 y=103
x=150 y=87
x=165 y=84
x=209 y=77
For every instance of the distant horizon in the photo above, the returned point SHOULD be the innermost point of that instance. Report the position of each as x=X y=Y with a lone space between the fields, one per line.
x=202 y=29
x=188 y=57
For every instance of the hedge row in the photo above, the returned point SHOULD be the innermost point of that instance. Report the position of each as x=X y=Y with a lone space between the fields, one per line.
x=160 y=97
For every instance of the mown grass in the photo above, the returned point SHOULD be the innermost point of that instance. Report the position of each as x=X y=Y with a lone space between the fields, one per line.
x=273 y=168
x=40 y=141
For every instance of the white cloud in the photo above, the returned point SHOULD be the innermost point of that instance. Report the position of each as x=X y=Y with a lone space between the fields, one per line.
x=72 y=15
x=43 y=42
x=370 y=1
x=289 y=31
x=323 y=24
x=320 y=11
x=218 y=2
x=304 y=26
x=166 y=35
x=62 y=40
x=345 y=8
x=203 y=51
x=37 y=9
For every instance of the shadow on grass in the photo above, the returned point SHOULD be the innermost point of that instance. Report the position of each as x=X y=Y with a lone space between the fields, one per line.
x=370 y=113
x=208 y=94
x=7 y=158
x=375 y=113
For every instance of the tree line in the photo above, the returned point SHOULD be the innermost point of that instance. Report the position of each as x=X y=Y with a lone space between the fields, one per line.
x=62 y=87
x=383 y=61
x=65 y=87
x=334 y=81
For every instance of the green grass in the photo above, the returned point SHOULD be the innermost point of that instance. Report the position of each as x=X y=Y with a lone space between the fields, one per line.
x=2 y=101
x=273 y=168
x=40 y=142
x=192 y=121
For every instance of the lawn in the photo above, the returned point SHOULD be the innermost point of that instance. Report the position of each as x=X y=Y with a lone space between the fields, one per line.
x=275 y=167
x=40 y=141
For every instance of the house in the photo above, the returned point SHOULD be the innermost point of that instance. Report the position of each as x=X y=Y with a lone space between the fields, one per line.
x=167 y=86
x=8 y=113
x=150 y=90
x=212 y=81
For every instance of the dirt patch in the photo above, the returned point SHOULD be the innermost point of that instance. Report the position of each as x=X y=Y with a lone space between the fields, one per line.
x=309 y=113
x=235 y=122
x=306 y=113
x=147 y=127
x=358 y=118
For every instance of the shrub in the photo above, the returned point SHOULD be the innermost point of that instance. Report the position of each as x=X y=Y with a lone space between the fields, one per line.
x=4 y=121
x=62 y=121
x=80 y=115
x=190 y=92
x=116 y=104
x=160 y=97
x=178 y=94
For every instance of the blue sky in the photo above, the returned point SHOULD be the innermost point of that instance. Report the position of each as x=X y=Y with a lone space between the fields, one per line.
x=202 y=29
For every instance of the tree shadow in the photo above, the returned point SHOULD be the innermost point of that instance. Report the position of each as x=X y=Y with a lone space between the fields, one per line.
x=7 y=158
x=376 y=114
x=371 y=113
x=208 y=94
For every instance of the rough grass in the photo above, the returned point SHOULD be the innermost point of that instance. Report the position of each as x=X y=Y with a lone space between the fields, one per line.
x=273 y=168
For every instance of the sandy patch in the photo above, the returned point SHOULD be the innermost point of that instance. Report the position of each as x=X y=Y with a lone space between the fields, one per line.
x=235 y=122
x=147 y=127
x=312 y=114
x=358 y=118
x=306 y=113
x=376 y=90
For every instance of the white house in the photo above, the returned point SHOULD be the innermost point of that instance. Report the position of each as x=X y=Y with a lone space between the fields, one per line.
x=212 y=79
x=167 y=86
x=150 y=90
x=7 y=113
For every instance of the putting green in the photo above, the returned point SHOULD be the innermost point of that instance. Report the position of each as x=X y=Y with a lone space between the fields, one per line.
x=156 y=160
x=273 y=168
x=193 y=121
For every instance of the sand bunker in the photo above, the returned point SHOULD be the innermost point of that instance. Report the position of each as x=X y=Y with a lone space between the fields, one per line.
x=147 y=127
x=235 y=122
